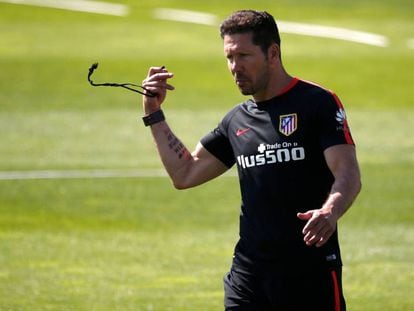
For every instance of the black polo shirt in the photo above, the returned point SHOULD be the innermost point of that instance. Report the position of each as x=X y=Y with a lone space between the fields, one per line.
x=278 y=147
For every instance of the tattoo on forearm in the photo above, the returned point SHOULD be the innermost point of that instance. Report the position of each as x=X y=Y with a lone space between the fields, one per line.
x=176 y=145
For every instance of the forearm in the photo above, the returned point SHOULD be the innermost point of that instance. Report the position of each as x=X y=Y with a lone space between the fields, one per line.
x=173 y=153
x=322 y=223
x=185 y=169
x=344 y=166
x=343 y=193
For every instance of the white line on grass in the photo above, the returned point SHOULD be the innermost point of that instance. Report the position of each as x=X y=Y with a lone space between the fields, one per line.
x=287 y=27
x=334 y=33
x=186 y=16
x=410 y=43
x=97 y=7
x=71 y=174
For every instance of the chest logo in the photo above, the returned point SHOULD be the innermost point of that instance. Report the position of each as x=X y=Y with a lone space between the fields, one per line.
x=340 y=116
x=242 y=131
x=288 y=124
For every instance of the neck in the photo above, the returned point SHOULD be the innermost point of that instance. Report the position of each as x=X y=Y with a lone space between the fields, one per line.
x=277 y=83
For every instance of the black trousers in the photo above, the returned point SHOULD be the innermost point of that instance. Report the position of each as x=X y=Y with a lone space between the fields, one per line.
x=268 y=289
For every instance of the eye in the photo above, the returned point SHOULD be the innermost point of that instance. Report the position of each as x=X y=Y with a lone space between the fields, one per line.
x=244 y=55
x=230 y=60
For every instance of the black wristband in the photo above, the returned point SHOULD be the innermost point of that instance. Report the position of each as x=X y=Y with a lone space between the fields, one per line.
x=153 y=118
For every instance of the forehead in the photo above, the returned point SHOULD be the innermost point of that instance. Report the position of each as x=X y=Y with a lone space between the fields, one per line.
x=239 y=41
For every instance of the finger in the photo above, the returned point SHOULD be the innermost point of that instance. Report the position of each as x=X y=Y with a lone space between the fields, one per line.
x=317 y=236
x=311 y=235
x=305 y=216
x=311 y=224
x=315 y=229
x=324 y=238
x=313 y=232
x=161 y=76
x=158 y=91
x=321 y=237
x=157 y=84
x=321 y=241
x=309 y=241
x=154 y=70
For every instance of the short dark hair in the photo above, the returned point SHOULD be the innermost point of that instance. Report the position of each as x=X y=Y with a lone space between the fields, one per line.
x=260 y=23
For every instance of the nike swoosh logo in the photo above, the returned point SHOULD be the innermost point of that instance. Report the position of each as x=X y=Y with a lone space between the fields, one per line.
x=242 y=131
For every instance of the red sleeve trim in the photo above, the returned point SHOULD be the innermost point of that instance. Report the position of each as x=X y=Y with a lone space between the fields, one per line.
x=347 y=132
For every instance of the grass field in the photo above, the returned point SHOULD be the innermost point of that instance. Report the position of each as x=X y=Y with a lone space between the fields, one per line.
x=138 y=244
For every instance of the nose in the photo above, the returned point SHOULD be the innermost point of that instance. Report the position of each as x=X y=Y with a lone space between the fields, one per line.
x=234 y=66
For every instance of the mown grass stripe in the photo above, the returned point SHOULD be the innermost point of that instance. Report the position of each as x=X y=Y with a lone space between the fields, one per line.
x=86 y=174
x=97 y=7
x=314 y=30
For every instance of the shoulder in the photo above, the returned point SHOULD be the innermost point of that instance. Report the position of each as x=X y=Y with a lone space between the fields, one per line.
x=312 y=88
x=319 y=95
x=316 y=90
x=237 y=111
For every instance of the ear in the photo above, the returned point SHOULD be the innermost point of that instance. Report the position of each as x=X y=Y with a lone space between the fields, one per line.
x=273 y=53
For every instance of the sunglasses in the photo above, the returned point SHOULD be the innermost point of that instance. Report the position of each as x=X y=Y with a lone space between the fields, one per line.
x=129 y=86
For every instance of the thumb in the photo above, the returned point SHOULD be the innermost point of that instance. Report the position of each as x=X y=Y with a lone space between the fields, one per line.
x=305 y=216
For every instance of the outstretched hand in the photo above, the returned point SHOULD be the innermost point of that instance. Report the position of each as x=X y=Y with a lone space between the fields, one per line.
x=156 y=83
x=319 y=227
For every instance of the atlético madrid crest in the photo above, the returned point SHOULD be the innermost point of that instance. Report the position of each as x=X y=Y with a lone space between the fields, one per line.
x=288 y=124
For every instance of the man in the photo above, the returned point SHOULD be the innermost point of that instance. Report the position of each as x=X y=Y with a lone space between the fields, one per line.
x=297 y=168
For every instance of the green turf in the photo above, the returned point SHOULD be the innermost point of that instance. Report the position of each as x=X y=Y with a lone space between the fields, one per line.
x=138 y=244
